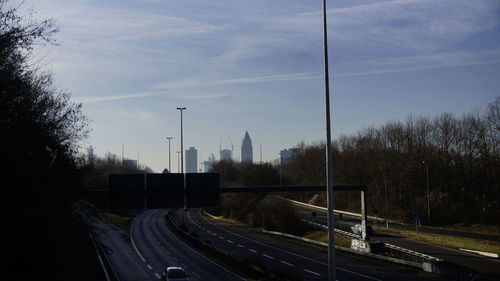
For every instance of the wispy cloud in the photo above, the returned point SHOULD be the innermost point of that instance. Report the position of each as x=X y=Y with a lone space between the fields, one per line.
x=422 y=62
x=93 y=99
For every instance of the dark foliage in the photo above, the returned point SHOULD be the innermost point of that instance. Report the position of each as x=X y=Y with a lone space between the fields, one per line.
x=40 y=129
x=461 y=154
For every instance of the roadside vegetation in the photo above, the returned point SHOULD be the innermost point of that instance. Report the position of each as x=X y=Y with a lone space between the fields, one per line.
x=461 y=155
x=447 y=240
x=41 y=131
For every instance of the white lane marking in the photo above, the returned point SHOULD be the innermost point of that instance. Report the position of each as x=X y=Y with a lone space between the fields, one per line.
x=157 y=276
x=312 y=272
x=252 y=250
x=269 y=257
x=230 y=241
x=287 y=263
x=221 y=237
x=214 y=234
x=241 y=246
x=203 y=256
x=282 y=250
x=135 y=248
x=175 y=259
x=195 y=274
x=183 y=265
x=150 y=267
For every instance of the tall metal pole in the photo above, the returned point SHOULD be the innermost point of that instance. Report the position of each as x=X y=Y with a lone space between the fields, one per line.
x=329 y=172
x=169 y=168
x=178 y=162
x=182 y=141
x=428 y=194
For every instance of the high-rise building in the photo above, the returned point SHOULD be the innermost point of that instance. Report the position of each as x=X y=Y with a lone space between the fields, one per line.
x=191 y=160
x=207 y=165
x=287 y=154
x=226 y=154
x=246 y=149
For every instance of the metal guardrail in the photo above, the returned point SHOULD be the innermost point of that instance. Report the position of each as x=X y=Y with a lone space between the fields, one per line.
x=409 y=254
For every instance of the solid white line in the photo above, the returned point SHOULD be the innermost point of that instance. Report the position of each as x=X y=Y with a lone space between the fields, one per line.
x=150 y=267
x=135 y=248
x=269 y=257
x=287 y=263
x=282 y=250
x=252 y=250
x=312 y=272
x=157 y=276
x=199 y=254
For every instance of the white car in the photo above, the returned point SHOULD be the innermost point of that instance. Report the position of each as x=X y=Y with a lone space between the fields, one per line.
x=173 y=273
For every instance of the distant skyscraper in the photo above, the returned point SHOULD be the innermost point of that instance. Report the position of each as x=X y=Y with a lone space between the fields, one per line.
x=191 y=160
x=226 y=154
x=287 y=154
x=246 y=149
x=207 y=165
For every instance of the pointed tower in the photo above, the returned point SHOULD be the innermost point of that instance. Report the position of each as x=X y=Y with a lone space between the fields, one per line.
x=246 y=149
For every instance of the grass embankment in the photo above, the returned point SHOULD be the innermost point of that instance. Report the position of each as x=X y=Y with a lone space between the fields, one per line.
x=120 y=221
x=447 y=240
x=322 y=236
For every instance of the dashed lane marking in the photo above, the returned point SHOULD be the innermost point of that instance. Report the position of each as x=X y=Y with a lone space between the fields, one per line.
x=230 y=241
x=252 y=250
x=157 y=276
x=149 y=266
x=241 y=246
x=312 y=272
x=269 y=257
x=287 y=263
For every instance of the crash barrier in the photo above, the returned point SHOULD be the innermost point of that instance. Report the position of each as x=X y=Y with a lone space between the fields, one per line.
x=418 y=260
x=450 y=270
x=323 y=209
x=106 y=265
x=345 y=249
x=337 y=231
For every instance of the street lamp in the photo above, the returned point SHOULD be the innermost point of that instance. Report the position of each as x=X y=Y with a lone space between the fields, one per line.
x=428 y=194
x=178 y=161
x=182 y=143
x=329 y=172
x=169 y=168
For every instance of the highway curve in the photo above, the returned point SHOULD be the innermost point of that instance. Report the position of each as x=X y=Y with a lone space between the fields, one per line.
x=284 y=256
x=158 y=247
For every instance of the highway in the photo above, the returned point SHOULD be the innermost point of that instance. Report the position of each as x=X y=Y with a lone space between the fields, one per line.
x=159 y=247
x=149 y=248
x=126 y=264
x=488 y=268
x=283 y=256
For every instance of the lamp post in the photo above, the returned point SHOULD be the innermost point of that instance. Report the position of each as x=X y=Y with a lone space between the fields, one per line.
x=169 y=168
x=178 y=162
x=428 y=193
x=182 y=143
x=329 y=172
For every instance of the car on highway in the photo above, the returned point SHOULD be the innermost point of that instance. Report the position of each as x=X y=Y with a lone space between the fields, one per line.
x=356 y=229
x=174 y=273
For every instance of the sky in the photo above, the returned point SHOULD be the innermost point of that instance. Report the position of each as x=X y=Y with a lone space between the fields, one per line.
x=257 y=66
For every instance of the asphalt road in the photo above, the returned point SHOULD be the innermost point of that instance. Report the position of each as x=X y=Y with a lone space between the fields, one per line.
x=150 y=247
x=283 y=256
x=158 y=248
x=126 y=264
x=489 y=269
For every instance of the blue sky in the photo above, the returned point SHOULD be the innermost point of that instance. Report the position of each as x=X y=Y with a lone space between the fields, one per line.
x=257 y=65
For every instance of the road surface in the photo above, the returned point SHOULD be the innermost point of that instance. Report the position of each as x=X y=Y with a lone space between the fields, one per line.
x=284 y=256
